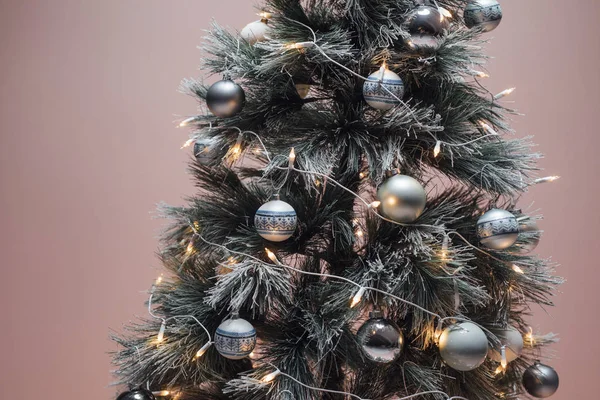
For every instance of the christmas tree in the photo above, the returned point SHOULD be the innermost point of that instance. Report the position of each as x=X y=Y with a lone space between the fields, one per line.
x=356 y=233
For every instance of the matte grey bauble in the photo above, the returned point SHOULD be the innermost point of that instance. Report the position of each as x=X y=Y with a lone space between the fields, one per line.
x=256 y=31
x=512 y=340
x=486 y=14
x=383 y=89
x=402 y=198
x=463 y=346
x=204 y=150
x=276 y=220
x=380 y=339
x=235 y=338
x=529 y=237
x=540 y=380
x=497 y=229
x=425 y=25
x=225 y=98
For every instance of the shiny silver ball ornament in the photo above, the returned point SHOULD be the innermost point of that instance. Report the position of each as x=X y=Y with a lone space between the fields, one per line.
x=225 y=98
x=256 y=31
x=235 y=338
x=497 y=229
x=383 y=89
x=486 y=14
x=463 y=346
x=204 y=150
x=529 y=237
x=540 y=380
x=512 y=340
x=402 y=198
x=137 y=394
x=380 y=339
x=303 y=89
x=426 y=25
x=276 y=220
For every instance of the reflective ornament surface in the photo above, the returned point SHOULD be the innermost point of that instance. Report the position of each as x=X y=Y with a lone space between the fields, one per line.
x=235 y=338
x=204 y=150
x=486 y=14
x=540 y=380
x=497 y=229
x=512 y=340
x=529 y=237
x=426 y=25
x=256 y=31
x=381 y=340
x=402 y=198
x=137 y=394
x=276 y=220
x=463 y=346
x=383 y=89
x=225 y=98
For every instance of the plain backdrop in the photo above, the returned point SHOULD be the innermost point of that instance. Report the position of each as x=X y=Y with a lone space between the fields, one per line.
x=88 y=147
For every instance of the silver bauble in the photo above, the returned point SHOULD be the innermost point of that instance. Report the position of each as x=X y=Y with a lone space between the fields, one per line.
x=540 y=380
x=225 y=98
x=463 y=346
x=486 y=14
x=497 y=229
x=380 y=339
x=256 y=31
x=276 y=220
x=529 y=237
x=383 y=89
x=425 y=25
x=402 y=198
x=204 y=150
x=303 y=89
x=512 y=340
x=137 y=394
x=235 y=338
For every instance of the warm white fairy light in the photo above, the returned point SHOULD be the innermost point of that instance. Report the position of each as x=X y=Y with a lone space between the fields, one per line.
x=357 y=298
x=272 y=256
x=375 y=204
x=488 y=128
x=445 y=13
x=202 y=350
x=265 y=15
x=437 y=149
x=517 y=269
x=187 y=121
x=504 y=93
x=190 y=248
x=479 y=74
x=504 y=362
x=362 y=175
x=161 y=332
x=188 y=143
x=530 y=337
x=162 y=393
x=271 y=377
x=292 y=158
x=547 y=179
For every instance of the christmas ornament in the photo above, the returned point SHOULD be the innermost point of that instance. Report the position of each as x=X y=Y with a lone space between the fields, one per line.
x=512 y=340
x=486 y=14
x=137 y=394
x=225 y=98
x=540 y=380
x=402 y=198
x=380 y=339
x=497 y=229
x=204 y=150
x=529 y=237
x=235 y=338
x=303 y=89
x=276 y=220
x=425 y=25
x=256 y=31
x=383 y=89
x=463 y=346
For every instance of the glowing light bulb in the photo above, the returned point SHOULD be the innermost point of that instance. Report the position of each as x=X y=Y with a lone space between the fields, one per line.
x=359 y=232
x=375 y=204
x=504 y=362
x=292 y=158
x=161 y=332
x=504 y=93
x=203 y=350
x=187 y=121
x=190 y=248
x=162 y=393
x=437 y=149
x=547 y=179
x=517 y=269
x=487 y=128
x=265 y=15
x=362 y=175
x=358 y=297
x=272 y=256
x=271 y=377
x=445 y=13
x=530 y=338
x=188 y=143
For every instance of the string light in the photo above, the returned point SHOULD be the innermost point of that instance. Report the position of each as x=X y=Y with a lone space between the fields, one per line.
x=265 y=15
x=437 y=149
x=271 y=377
x=488 y=128
x=272 y=256
x=478 y=74
x=187 y=121
x=504 y=362
x=161 y=332
x=190 y=248
x=162 y=393
x=358 y=297
x=203 y=350
x=530 y=337
x=517 y=269
x=375 y=204
x=188 y=143
x=504 y=93
x=547 y=179
x=292 y=158
x=445 y=13
x=362 y=175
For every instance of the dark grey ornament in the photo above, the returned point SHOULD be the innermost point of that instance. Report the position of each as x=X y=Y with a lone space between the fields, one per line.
x=383 y=89
x=235 y=338
x=540 y=380
x=204 y=150
x=402 y=198
x=276 y=220
x=225 y=98
x=486 y=14
x=380 y=339
x=529 y=237
x=497 y=229
x=137 y=394
x=463 y=346
x=426 y=25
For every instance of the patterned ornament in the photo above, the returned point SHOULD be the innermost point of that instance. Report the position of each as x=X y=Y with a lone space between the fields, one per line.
x=204 y=150
x=225 y=98
x=276 y=220
x=463 y=346
x=540 y=380
x=137 y=394
x=402 y=198
x=485 y=14
x=303 y=89
x=383 y=89
x=497 y=229
x=512 y=340
x=380 y=339
x=425 y=25
x=256 y=31
x=235 y=338
x=529 y=237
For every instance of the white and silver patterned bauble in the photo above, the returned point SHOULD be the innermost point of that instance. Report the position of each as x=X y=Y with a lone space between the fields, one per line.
x=463 y=346
x=303 y=89
x=276 y=220
x=256 y=31
x=402 y=198
x=204 y=150
x=380 y=339
x=425 y=25
x=383 y=89
x=497 y=229
x=486 y=14
x=540 y=380
x=529 y=237
x=512 y=340
x=235 y=338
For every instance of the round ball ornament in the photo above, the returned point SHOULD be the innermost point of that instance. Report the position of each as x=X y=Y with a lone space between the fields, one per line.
x=497 y=229
x=402 y=198
x=256 y=31
x=485 y=14
x=512 y=340
x=425 y=25
x=381 y=340
x=383 y=89
x=204 y=150
x=137 y=394
x=276 y=220
x=235 y=338
x=529 y=237
x=225 y=98
x=463 y=346
x=540 y=380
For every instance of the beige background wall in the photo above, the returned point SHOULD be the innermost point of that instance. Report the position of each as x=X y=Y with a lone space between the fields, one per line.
x=87 y=147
